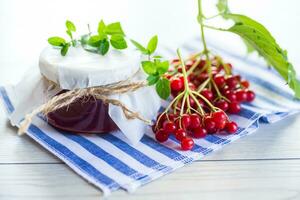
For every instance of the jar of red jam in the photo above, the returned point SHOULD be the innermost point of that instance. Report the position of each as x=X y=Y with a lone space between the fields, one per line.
x=85 y=115
x=82 y=69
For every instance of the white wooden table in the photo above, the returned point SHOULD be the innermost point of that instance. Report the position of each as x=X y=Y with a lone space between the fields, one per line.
x=265 y=165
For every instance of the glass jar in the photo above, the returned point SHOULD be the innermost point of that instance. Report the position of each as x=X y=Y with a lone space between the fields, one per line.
x=85 y=115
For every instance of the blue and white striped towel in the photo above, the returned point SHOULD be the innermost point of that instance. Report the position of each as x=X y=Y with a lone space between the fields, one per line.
x=110 y=163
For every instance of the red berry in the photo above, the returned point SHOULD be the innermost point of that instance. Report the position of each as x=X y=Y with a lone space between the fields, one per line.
x=222 y=104
x=161 y=135
x=185 y=121
x=189 y=63
x=245 y=83
x=221 y=124
x=168 y=76
x=250 y=95
x=238 y=77
x=241 y=95
x=192 y=86
x=179 y=69
x=231 y=127
x=195 y=121
x=219 y=80
x=230 y=95
x=171 y=116
x=174 y=93
x=232 y=82
x=192 y=102
x=219 y=115
x=169 y=127
x=201 y=63
x=224 y=89
x=180 y=134
x=234 y=108
x=192 y=77
x=175 y=61
x=187 y=143
x=201 y=102
x=202 y=77
x=220 y=119
x=182 y=78
x=176 y=84
x=162 y=118
x=210 y=125
x=199 y=132
x=207 y=94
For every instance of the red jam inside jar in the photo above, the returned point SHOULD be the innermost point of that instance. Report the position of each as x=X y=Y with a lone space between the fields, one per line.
x=85 y=115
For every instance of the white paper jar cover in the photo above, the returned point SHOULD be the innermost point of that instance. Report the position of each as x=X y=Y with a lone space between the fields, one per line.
x=82 y=69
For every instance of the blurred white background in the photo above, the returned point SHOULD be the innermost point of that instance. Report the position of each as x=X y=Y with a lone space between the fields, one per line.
x=26 y=24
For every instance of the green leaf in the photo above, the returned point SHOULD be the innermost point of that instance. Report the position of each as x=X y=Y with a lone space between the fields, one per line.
x=152 y=79
x=118 y=42
x=70 y=26
x=64 y=49
x=103 y=47
x=163 y=88
x=149 y=67
x=157 y=57
x=293 y=82
x=94 y=41
x=140 y=47
x=242 y=19
x=56 y=41
x=69 y=33
x=264 y=43
x=101 y=27
x=114 y=28
x=152 y=44
x=222 y=6
x=162 y=67
x=249 y=47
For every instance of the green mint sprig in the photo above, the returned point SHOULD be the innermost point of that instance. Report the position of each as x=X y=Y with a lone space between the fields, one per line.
x=61 y=42
x=111 y=34
x=155 y=67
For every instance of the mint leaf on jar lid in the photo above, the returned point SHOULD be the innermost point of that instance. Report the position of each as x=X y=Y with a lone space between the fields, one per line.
x=56 y=41
x=70 y=26
x=114 y=28
x=103 y=47
x=65 y=49
x=118 y=42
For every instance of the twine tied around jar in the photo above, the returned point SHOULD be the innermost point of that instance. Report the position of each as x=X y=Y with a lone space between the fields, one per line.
x=100 y=92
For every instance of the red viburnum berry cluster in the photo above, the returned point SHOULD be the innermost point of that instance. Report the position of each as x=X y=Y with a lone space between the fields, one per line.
x=203 y=91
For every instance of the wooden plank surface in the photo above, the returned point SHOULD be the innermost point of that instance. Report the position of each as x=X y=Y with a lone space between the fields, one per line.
x=203 y=180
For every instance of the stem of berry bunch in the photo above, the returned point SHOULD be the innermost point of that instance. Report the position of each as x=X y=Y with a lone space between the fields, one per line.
x=205 y=51
x=188 y=92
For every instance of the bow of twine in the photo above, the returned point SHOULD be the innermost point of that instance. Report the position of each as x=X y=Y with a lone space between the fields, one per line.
x=101 y=92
